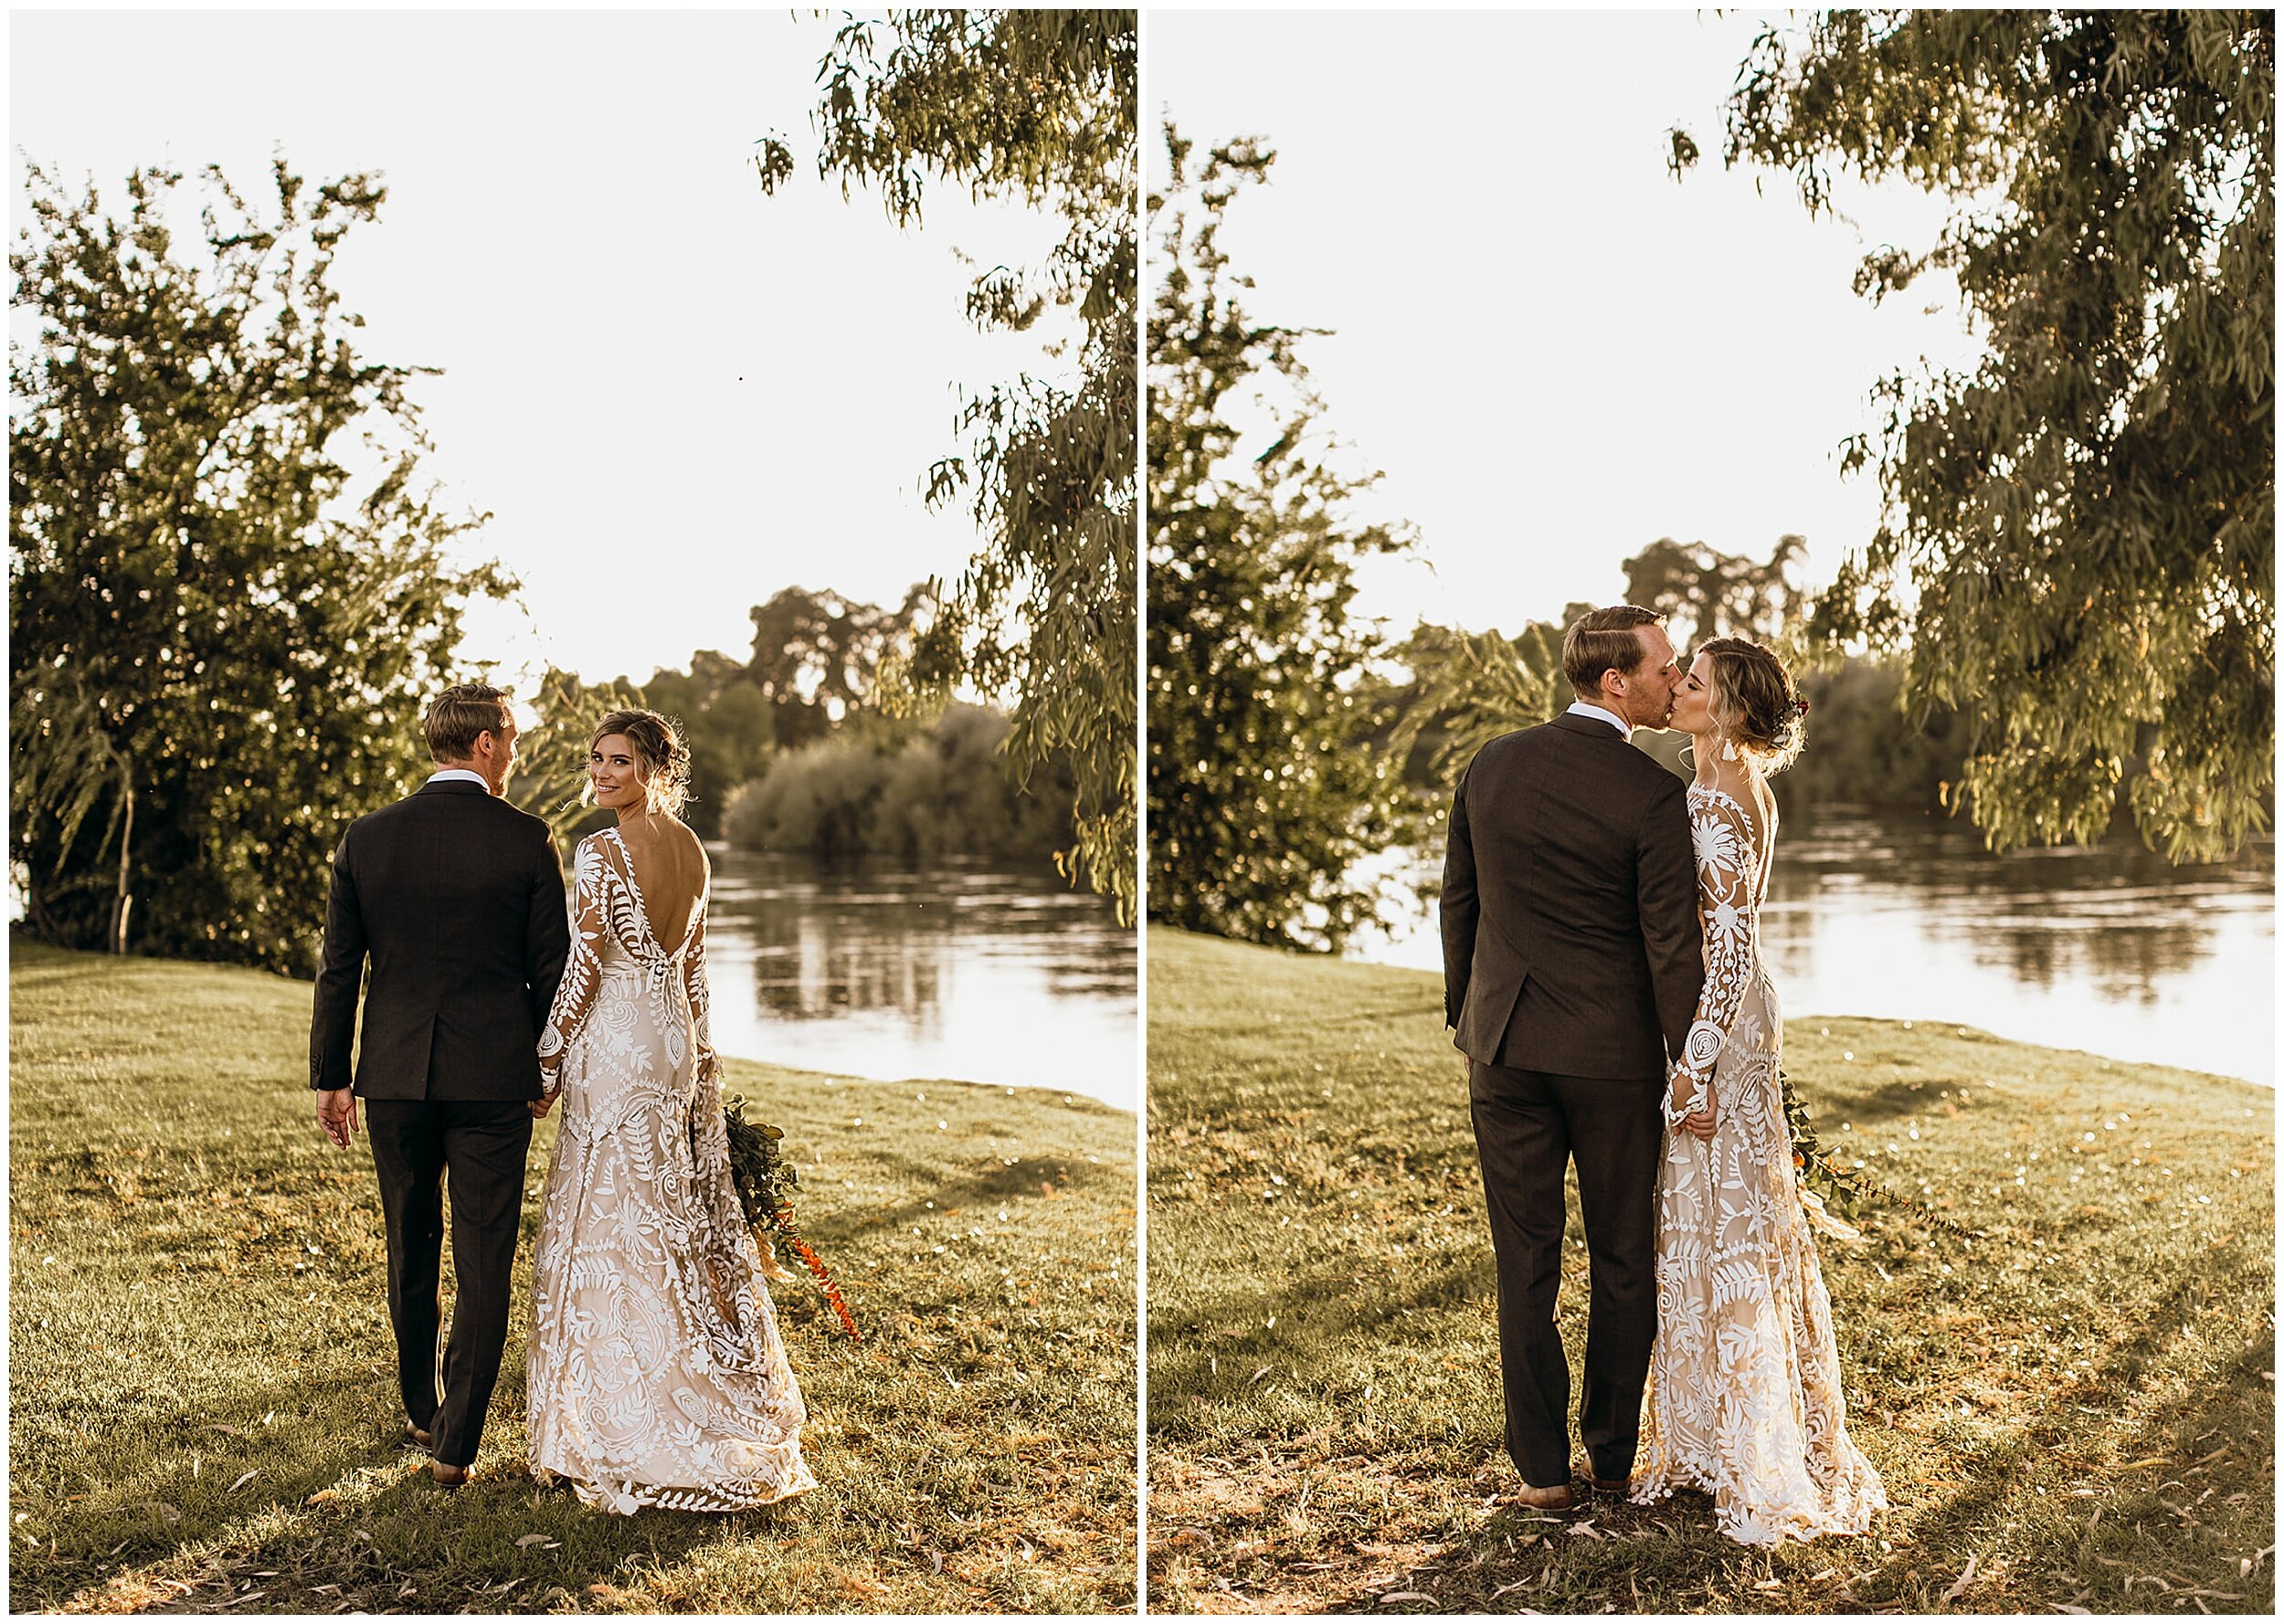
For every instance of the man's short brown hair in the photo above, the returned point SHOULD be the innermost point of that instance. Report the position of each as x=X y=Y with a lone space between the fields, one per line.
x=459 y=713
x=1604 y=641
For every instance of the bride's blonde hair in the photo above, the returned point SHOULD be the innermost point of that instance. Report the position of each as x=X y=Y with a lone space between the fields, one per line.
x=659 y=754
x=1754 y=705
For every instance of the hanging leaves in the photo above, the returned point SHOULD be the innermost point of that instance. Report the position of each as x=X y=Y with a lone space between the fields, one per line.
x=2078 y=551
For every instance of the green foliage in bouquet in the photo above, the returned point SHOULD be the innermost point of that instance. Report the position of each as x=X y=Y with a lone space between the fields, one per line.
x=766 y=1182
x=1844 y=1192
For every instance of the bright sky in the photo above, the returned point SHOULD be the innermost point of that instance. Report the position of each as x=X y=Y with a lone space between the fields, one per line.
x=1555 y=353
x=674 y=393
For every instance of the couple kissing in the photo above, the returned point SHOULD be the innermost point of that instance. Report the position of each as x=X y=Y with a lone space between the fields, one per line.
x=1602 y=973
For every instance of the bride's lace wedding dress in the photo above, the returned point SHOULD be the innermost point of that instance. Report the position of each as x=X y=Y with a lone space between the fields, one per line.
x=657 y=1376
x=1744 y=1387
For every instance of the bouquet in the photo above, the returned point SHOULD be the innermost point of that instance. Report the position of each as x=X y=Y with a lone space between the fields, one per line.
x=1832 y=1194
x=766 y=1182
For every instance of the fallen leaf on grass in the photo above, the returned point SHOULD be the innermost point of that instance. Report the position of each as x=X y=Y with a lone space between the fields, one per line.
x=536 y=1539
x=1404 y=1595
x=1959 y=1586
x=242 y=1483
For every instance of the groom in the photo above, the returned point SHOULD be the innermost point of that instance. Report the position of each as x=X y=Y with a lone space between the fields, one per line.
x=1572 y=960
x=457 y=898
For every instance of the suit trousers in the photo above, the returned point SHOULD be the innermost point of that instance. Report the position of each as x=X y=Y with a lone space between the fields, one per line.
x=479 y=1146
x=1529 y=1125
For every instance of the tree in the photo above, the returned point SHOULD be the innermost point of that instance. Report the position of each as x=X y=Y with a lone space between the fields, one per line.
x=551 y=754
x=818 y=654
x=1708 y=594
x=1262 y=789
x=1466 y=689
x=729 y=724
x=2077 y=551
x=221 y=640
x=1037 y=106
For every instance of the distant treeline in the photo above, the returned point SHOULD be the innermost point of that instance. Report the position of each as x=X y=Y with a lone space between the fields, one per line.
x=869 y=792
x=797 y=749
x=1862 y=748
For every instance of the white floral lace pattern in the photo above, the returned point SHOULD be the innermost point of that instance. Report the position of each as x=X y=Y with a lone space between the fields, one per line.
x=1744 y=1396
x=657 y=1374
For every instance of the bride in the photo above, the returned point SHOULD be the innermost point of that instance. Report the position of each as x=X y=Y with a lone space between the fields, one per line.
x=656 y=1374
x=1744 y=1386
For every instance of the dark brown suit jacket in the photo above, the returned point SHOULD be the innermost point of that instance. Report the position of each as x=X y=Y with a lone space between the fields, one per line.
x=1569 y=911
x=458 y=899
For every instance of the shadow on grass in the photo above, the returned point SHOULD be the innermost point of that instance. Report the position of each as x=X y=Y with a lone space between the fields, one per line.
x=994 y=1181
x=195 y=1511
x=1671 y=1555
x=1180 y=1359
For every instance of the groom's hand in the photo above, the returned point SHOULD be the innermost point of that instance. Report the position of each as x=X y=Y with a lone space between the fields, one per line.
x=337 y=1114
x=1700 y=1123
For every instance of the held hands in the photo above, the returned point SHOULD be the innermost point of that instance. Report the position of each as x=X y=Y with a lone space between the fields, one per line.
x=551 y=1090
x=1689 y=1104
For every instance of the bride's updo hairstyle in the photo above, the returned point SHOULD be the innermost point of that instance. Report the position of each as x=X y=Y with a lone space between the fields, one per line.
x=1754 y=705
x=658 y=752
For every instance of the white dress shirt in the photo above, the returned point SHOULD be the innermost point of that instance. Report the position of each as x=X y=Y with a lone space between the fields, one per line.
x=1582 y=708
x=463 y=775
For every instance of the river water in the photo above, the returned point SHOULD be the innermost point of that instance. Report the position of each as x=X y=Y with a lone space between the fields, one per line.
x=2107 y=949
x=975 y=971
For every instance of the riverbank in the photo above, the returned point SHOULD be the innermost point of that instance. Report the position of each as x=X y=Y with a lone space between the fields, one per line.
x=2073 y=1409
x=203 y=1404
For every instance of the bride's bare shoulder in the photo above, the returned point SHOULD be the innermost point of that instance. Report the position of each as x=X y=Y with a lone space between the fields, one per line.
x=685 y=841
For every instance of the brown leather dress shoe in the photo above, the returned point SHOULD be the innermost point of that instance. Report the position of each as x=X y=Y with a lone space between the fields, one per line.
x=1557 y=1499
x=1616 y=1488
x=451 y=1477
x=416 y=1435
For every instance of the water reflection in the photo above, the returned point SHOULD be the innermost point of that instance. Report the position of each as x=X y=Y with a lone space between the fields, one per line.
x=968 y=970
x=2109 y=949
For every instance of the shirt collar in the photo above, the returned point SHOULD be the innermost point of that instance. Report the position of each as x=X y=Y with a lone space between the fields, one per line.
x=1582 y=708
x=459 y=775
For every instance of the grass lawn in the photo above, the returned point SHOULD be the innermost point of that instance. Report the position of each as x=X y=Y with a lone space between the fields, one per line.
x=2073 y=1410
x=202 y=1408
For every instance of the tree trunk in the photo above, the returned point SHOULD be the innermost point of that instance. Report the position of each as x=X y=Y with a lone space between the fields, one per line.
x=123 y=903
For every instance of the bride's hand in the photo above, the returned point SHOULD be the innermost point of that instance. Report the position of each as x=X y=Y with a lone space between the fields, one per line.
x=1682 y=1090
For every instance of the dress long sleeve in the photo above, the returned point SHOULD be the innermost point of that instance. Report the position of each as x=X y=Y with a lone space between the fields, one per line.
x=1723 y=839
x=583 y=968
